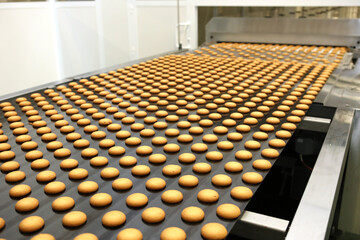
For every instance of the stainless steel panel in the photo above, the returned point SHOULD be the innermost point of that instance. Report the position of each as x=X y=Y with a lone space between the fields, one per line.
x=265 y=221
x=315 y=212
x=349 y=218
x=342 y=89
x=335 y=32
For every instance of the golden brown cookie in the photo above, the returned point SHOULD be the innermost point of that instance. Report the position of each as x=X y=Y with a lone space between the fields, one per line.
x=33 y=155
x=88 y=187
x=171 y=233
x=171 y=170
x=187 y=158
x=202 y=168
x=78 y=173
x=155 y=184
x=253 y=145
x=144 y=150
x=69 y=163
x=15 y=176
x=100 y=200
x=270 y=153
x=192 y=214
x=54 y=187
x=153 y=215
x=141 y=170
x=130 y=234
x=86 y=236
x=172 y=196
x=31 y=224
x=116 y=150
x=136 y=200
x=109 y=173
x=45 y=176
x=241 y=193
x=225 y=145
x=228 y=211
x=233 y=167
x=74 y=219
x=122 y=184
x=252 y=178
x=213 y=231
x=43 y=236
x=27 y=204
x=9 y=166
x=63 y=204
x=262 y=164
x=243 y=155
x=62 y=153
x=113 y=219
x=221 y=180
x=188 y=181
x=20 y=190
x=199 y=147
x=207 y=196
x=210 y=138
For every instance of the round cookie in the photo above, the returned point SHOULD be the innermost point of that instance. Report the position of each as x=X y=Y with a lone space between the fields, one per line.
x=88 y=187
x=202 y=168
x=155 y=184
x=188 y=181
x=113 y=219
x=62 y=153
x=253 y=145
x=136 y=200
x=228 y=211
x=45 y=176
x=69 y=163
x=15 y=176
x=241 y=193
x=210 y=138
x=63 y=204
x=2 y=223
x=187 y=158
x=100 y=200
x=243 y=155
x=233 y=167
x=157 y=158
x=192 y=214
x=171 y=148
x=221 y=180
x=277 y=143
x=20 y=190
x=43 y=236
x=7 y=155
x=74 y=219
x=9 y=166
x=109 y=173
x=252 y=178
x=213 y=231
x=122 y=184
x=214 y=156
x=78 y=173
x=116 y=151
x=171 y=132
x=130 y=234
x=269 y=153
x=144 y=150
x=153 y=215
x=283 y=134
x=33 y=155
x=140 y=170
x=171 y=233
x=86 y=236
x=27 y=204
x=207 y=196
x=172 y=196
x=199 y=147
x=262 y=164
x=171 y=170
x=225 y=145
x=54 y=187
x=234 y=136
x=31 y=224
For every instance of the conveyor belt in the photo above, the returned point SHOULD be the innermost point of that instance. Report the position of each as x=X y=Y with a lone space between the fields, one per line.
x=163 y=82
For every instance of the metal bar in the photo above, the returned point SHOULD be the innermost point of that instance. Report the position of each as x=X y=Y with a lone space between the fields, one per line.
x=315 y=212
x=265 y=221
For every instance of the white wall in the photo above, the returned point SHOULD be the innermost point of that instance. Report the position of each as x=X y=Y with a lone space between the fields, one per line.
x=48 y=41
x=157 y=29
x=27 y=54
x=79 y=40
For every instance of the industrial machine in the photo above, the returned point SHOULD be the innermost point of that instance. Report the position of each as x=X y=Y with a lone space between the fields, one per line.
x=310 y=192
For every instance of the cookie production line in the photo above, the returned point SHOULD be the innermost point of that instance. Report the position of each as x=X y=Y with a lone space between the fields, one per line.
x=167 y=129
